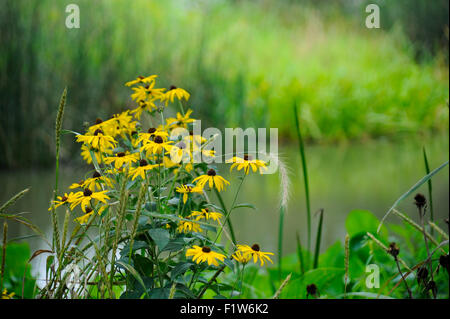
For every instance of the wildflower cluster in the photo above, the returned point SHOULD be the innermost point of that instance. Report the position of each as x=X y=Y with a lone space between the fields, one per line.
x=151 y=202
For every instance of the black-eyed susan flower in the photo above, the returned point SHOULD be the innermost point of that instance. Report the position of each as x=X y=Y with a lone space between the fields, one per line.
x=79 y=184
x=84 y=198
x=254 y=252
x=86 y=153
x=187 y=189
x=173 y=93
x=157 y=146
x=150 y=135
x=241 y=258
x=61 y=200
x=122 y=158
x=180 y=120
x=187 y=226
x=202 y=254
x=6 y=295
x=98 y=140
x=206 y=214
x=144 y=105
x=180 y=152
x=85 y=218
x=96 y=180
x=212 y=179
x=141 y=170
x=142 y=79
x=246 y=163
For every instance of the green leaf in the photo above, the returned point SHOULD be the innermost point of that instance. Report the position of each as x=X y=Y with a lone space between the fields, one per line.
x=244 y=205
x=143 y=265
x=180 y=269
x=362 y=221
x=134 y=273
x=160 y=236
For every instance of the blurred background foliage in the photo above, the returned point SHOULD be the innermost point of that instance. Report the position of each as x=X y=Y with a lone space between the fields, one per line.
x=245 y=63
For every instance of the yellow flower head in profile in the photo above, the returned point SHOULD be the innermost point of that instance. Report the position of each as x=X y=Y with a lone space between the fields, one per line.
x=180 y=120
x=186 y=189
x=255 y=253
x=212 y=179
x=98 y=140
x=241 y=258
x=246 y=163
x=157 y=146
x=141 y=170
x=122 y=158
x=173 y=93
x=85 y=218
x=61 y=200
x=142 y=79
x=206 y=214
x=85 y=197
x=5 y=294
x=187 y=226
x=144 y=105
x=202 y=254
x=96 y=181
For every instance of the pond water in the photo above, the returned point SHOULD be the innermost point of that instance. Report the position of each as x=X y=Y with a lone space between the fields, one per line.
x=369 y=175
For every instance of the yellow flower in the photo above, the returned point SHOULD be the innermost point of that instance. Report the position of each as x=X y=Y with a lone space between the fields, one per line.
x=85 y=218
x=151 y=134
x=246 y=163
x=201 y=254
x=214 y=180
x=255 y=252
x=141 y=169
x=142 y=79
x=98 y=140
x=5 y=294
x=241 y=258
x=175 y=92
x=122 y=158
x=61 y=200
x=157 y=146
x=186 y=226
x=144 y=105
x=79 y=184
x=186 y=189
x=180 y=152
x=84 y=198
x=95 y=181
x=180 y=121
x=206 y=214
x=86 y=154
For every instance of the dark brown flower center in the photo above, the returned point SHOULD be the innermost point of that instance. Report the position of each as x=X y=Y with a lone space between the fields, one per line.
x=172 y=87
x=64 y=198
x=211 y=172
x=96 y=175
x=255 y=247
x=98 y=131
x=140 y=77
x=151 y=130
x=143 y=162
x=158 y=139
x=88 y=210
x=206 y=249
x=181 y=145
x=98 y=121
x=87 y=192
x=247 y=157
x=120 y=154
x=420 y=200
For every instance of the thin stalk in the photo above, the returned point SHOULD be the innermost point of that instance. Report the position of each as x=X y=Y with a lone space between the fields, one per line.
x=347 y=263
x=422 y=223
x=404 y=280
x=300 y=253
x=141 y=198
x=213 y=278
x=430 y=187
x=280 y=240
x=305 y=175
x=2 y=269
x=318 y=240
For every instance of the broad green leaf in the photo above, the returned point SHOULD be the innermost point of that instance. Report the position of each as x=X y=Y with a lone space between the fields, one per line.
x=160 y=236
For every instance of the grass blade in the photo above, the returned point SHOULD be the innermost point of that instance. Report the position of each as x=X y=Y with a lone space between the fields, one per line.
x=280 y=239
x=300 y=253
x=305 y=175
x=318 y=239
x=423 y=180
x=430 y=186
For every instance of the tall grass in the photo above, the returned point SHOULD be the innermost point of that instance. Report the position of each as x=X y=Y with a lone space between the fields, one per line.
x=244 y=60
